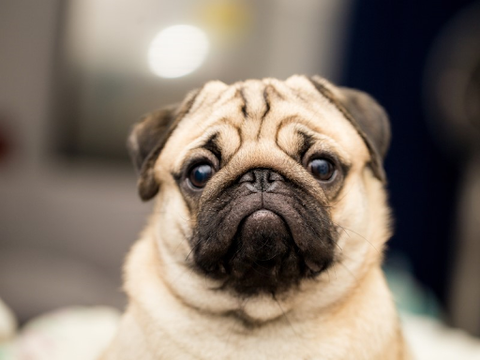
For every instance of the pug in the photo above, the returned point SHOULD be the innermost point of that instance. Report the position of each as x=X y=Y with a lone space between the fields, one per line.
x=269 y=227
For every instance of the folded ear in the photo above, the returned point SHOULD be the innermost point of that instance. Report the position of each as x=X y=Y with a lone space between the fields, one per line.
x=366 y=115
x=147 y=139
x=370 y=116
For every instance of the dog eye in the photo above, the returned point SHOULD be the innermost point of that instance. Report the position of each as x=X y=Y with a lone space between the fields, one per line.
x=322 y=169
x=200 y=174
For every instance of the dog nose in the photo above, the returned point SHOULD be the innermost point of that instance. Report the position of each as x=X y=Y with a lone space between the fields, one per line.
x=261 y=180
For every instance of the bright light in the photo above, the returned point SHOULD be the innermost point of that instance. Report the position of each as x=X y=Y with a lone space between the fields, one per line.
x=177 y=51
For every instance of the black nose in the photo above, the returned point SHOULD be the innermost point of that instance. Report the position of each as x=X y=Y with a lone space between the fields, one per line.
x=261 y=180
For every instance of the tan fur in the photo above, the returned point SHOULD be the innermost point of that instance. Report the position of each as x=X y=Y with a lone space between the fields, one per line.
x=345 y=313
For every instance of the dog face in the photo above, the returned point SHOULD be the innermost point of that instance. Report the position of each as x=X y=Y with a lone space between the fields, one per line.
x=264 y=186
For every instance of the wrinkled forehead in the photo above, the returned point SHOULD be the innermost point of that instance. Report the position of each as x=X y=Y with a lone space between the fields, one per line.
x=260 y=112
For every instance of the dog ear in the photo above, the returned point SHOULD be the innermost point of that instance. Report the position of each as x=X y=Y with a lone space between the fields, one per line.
x=148 y=138
x=366 y=115
x=370 y=116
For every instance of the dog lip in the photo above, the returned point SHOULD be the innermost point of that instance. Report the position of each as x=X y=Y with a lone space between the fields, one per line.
x=268 y=212
x=264 y=218
x=263 y=214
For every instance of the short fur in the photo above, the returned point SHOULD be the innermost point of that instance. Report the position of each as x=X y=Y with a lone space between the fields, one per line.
x=266 y=261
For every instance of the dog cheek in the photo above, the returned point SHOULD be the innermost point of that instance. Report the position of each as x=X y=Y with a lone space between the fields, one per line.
x=174 y=224
x=352 y=215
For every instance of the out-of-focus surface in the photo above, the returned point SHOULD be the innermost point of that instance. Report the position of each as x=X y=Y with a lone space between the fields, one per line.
x=452 y=94
x=421 y=61
x=7 y=323
x=76 y=74
x=73 y=333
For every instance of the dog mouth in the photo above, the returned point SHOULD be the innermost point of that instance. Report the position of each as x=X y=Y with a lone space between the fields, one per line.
x=261 y=254
x=263 y=242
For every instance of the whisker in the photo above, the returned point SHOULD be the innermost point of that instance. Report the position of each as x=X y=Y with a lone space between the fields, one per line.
x=356 y=233
x=284 y=314
x=349 y=271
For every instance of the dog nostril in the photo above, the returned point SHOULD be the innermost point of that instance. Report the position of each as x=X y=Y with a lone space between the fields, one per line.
x=273 y=176
x=260 y=179
x=248 y=177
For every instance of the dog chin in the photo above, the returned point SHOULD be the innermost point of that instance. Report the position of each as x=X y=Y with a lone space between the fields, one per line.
x=261 y=309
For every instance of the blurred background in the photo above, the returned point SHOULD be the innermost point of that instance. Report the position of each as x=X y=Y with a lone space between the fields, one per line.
x=76 y=74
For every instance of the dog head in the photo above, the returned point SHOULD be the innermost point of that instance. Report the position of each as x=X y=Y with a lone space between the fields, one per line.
x=265 y=185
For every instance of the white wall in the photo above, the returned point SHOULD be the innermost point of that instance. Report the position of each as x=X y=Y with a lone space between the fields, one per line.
x=64 y=229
